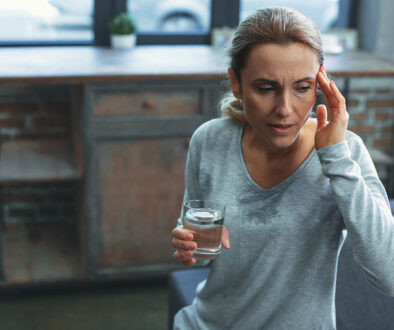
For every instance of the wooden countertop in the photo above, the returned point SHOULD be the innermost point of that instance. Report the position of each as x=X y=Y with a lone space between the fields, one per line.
x=94 y=64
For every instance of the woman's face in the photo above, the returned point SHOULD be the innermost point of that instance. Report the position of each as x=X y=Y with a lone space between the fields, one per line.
x=278 y=89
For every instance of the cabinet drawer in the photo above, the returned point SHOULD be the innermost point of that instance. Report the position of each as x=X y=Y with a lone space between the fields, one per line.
x=154 y=102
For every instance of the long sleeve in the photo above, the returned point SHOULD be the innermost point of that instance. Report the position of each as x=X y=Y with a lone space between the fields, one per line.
x=365 y=209
x=192 y=190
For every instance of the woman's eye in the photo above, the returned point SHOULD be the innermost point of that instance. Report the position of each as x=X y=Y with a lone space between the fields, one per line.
x=265 y=89
x=303 y=89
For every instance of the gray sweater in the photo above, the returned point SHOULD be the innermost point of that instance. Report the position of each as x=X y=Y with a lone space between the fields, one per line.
x=280 y=272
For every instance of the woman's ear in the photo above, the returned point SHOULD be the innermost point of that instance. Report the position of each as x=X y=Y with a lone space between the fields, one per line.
x=234 y=84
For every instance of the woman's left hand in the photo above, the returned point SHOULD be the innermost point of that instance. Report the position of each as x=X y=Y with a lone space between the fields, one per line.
x=334 y=131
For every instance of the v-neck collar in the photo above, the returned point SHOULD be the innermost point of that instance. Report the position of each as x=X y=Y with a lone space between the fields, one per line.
x=280 y=186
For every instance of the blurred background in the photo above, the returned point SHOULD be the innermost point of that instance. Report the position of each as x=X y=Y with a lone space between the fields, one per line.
x=366 y=23
x=93 y=142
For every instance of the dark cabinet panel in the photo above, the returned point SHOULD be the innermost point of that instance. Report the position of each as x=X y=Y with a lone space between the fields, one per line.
x=141 y=189
x=41 y=252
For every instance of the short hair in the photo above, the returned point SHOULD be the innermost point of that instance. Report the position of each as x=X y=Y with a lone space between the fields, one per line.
x=275 y=25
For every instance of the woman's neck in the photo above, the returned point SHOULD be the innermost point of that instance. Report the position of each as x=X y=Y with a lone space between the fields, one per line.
x=254 y=143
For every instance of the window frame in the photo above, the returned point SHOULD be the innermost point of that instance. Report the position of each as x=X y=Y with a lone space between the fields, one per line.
x=223 y=13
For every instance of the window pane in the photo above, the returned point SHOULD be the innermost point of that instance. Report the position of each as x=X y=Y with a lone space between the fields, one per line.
x=323 y=12
x=46 y=20
x=171 y=16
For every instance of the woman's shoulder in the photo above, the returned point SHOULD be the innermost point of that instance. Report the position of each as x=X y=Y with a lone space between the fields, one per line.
x=353 y=138
x=217 y=128
x=356 y=145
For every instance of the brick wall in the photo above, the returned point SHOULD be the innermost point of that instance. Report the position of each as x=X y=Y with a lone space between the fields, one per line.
x=370 y=103
x=36 y=112
x=37 y=203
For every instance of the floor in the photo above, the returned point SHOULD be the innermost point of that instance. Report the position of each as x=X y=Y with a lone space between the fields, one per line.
x=127 y=305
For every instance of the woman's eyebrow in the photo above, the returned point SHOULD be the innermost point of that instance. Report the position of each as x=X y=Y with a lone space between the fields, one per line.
x=266 y=81
x=304 y=79
x=274 y=82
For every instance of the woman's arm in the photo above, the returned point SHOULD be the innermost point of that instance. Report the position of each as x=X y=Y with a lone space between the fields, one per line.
x=359 y=193
x=364 y=206
x=183 y=238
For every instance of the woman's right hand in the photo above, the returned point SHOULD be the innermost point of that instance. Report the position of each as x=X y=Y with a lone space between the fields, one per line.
x=183 y=242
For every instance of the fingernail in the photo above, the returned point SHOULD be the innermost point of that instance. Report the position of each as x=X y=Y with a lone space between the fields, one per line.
x=226 y=243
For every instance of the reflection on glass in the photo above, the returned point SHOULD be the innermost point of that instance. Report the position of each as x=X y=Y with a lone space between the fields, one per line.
x=171 y=16
x=323 y=12
x=46 y=20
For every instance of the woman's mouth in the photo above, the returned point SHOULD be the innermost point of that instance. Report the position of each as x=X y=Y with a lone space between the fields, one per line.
x=281 y=129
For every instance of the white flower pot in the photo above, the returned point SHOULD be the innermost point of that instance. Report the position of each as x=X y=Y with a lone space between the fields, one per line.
x=122 y=41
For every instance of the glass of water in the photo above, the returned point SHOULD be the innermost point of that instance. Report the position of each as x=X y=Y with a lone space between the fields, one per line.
x=205 y=218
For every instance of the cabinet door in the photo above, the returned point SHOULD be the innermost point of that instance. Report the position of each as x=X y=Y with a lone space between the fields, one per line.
x=141 y=186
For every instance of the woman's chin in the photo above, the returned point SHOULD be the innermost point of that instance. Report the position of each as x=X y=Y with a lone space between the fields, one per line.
x=282 y=143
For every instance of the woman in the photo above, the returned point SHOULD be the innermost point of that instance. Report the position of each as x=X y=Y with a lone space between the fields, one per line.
x=293 y=187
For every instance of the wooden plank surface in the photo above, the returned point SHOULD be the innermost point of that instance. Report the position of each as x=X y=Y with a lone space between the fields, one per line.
x=357 y=63
x=141 y=189
x=38 y=160
x=89 y=64
x=94 y=64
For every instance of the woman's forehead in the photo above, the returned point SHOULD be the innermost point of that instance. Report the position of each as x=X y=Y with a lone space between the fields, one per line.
x=275 y=61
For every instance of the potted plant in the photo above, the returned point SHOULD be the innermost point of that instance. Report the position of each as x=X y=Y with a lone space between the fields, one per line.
x=123 y=31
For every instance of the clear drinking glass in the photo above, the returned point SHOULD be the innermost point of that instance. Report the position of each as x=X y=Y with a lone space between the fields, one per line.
x=205 y=218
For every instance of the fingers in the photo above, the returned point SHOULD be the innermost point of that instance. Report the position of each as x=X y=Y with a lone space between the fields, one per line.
x=337 y=93
x=183 y=239
x=225 y=238
x=182 y=255
x=325 y=87
x=323 y=71
x=321 y=115
x=181 y=233
x=329 y=87
x=183 y=242
x=184 y=245
x=335 y=101
x=185 y=257
x=342 y=114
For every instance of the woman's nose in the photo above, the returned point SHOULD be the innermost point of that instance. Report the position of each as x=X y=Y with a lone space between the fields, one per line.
x=283 y=105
